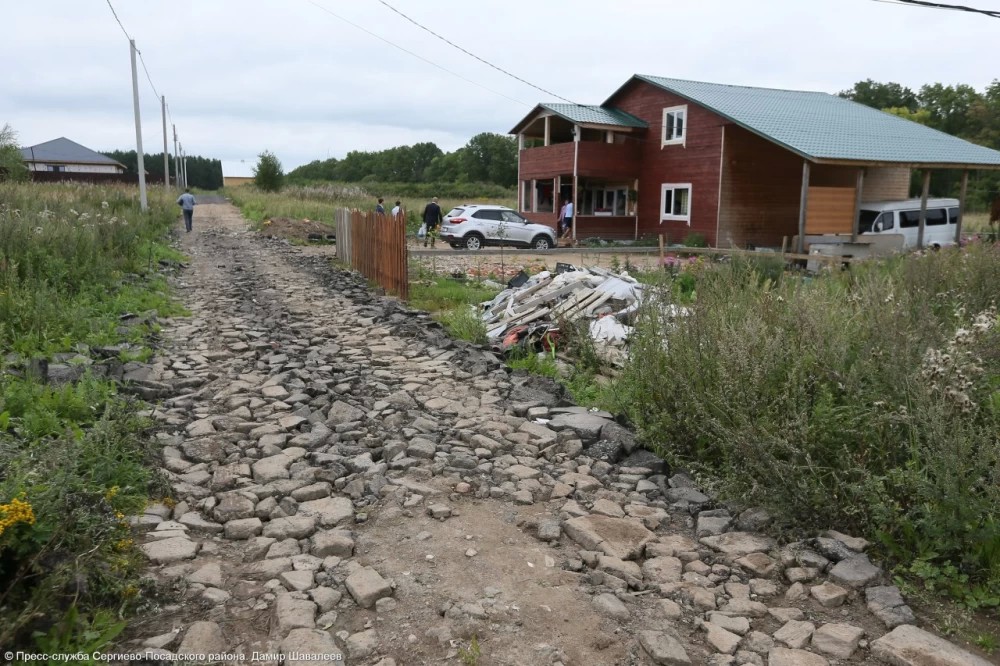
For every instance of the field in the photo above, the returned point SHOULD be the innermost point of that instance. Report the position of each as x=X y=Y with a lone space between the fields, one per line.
x=319 y=202
x=80 y=287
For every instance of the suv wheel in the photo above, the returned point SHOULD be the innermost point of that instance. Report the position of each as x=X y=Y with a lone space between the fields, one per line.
x=473 y=241
x=541 y=243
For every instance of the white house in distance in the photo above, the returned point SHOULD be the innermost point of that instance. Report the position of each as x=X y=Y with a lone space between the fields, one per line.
x=64 y=155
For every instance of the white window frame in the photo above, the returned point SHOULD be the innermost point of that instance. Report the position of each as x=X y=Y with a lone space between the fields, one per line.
x=674 y=140
x=673 y=187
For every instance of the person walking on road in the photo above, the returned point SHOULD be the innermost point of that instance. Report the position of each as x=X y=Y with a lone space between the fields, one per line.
x=186 y=202
x=432 y=218
x=567 y=218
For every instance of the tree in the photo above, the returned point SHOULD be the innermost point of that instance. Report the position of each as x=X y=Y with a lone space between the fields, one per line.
x=267 y=174
x=491 y=158
x=922 y=116
x=12 y=165
x=950 y=107
x=202 y=172
x=881 y=95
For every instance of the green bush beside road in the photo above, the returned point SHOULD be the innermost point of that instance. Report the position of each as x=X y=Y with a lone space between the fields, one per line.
x=74 y=458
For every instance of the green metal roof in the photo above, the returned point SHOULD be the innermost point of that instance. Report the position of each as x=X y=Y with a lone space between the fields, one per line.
x=821 y=126
x=589 y=114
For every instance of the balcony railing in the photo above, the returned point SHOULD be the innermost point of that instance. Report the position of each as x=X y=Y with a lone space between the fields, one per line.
x=594 y=159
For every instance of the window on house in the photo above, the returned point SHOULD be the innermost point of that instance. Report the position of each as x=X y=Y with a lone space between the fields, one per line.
x=603 y=199
x=56 y=167
x=674 y=124
x=544 y=193
x=675 y=202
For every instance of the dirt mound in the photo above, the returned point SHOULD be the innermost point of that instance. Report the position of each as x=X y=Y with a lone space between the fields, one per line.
x=285 y=227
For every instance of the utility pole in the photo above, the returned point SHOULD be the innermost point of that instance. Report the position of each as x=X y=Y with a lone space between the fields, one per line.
x=177 y=162
x=138 y=131
x=185 y=159
x=166 y=159
x=180 y=165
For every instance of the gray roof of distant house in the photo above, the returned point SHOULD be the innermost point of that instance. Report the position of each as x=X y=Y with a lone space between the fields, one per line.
x=64 y=151
x=824 y=127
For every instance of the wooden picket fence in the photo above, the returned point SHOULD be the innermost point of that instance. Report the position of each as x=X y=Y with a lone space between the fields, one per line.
x=375 y=245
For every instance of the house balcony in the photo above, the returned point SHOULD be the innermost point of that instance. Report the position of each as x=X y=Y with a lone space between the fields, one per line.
x=597 y=159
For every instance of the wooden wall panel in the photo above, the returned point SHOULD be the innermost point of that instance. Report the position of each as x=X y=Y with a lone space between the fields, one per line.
x=696 y=161
x=761 y=187
x=830 y=210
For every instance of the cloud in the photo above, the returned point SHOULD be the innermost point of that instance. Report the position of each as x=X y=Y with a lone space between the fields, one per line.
x=243 y=76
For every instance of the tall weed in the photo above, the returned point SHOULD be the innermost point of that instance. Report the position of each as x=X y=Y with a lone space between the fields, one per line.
x=866 y=401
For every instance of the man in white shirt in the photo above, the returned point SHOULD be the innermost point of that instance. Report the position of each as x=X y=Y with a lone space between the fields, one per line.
x=567 y=217
x=395 y=210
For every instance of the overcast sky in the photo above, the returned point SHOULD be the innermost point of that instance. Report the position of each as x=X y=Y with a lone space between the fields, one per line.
x=241 y=76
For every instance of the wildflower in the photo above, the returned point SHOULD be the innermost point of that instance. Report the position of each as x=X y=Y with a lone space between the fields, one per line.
x=104 y=205
x=16 y=511
x=123 y=544
x=38 y=230
x=130 y=591
x=112 y=491
x=119 y=515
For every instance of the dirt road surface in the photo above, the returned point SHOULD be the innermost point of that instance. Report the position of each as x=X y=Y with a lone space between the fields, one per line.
x=351 y=482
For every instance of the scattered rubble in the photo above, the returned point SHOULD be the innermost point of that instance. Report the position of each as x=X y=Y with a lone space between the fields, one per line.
x=530 y=314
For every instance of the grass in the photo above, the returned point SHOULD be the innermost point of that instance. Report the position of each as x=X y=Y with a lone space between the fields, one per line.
x=320 y=202
x=452 y=302
x=867 y=401
x=75 y=460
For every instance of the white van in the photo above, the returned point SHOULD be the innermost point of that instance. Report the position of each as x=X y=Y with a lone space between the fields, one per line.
x=903 y=218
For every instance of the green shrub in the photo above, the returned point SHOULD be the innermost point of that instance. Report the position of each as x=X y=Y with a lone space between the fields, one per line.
x=268 y=176
x=74 y=459
x=695 y=239
x=866 y=401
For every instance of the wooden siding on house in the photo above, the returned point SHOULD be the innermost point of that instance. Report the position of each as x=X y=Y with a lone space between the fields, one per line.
x=595 y=159
x=830 y=210
x=696 y=161
x=761 y=187
x=886 y=184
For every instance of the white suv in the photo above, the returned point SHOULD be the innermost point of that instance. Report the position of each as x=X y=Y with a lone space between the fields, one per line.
x=473 y=226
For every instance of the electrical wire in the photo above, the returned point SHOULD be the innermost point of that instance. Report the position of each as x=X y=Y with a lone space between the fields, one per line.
x=473 y=55
x=939 y=5
x=415 y=55
x=148 y=77
x=119 y=20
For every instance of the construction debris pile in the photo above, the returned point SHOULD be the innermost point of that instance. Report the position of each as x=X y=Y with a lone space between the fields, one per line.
x=529 y=312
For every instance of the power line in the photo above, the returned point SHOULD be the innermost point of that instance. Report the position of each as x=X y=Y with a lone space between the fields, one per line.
x=118 y=19
x=938 y=5
x=148 y=77
x=415 y=55
x=473 y=55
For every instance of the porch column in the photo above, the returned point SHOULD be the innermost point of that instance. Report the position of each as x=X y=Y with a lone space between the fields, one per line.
x=520 y=141
x=961 y=206
x=576 y=157
x=548 y=129
x=803 y=203
x=858 y=189
x=923 y=209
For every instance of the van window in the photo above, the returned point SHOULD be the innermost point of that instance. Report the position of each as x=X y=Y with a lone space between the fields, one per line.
x=865 y=220
x=953 y=216
x=873 y=220
x=909 y=219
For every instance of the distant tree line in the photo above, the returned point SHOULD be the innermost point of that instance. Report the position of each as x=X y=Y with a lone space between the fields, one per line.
x=202 y=172
x=486 y=158
x=959 y=110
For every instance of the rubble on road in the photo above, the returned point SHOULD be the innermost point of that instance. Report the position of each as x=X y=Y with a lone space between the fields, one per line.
x=530 y=314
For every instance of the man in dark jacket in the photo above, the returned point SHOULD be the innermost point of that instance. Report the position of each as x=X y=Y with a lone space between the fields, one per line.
x=432 y=218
